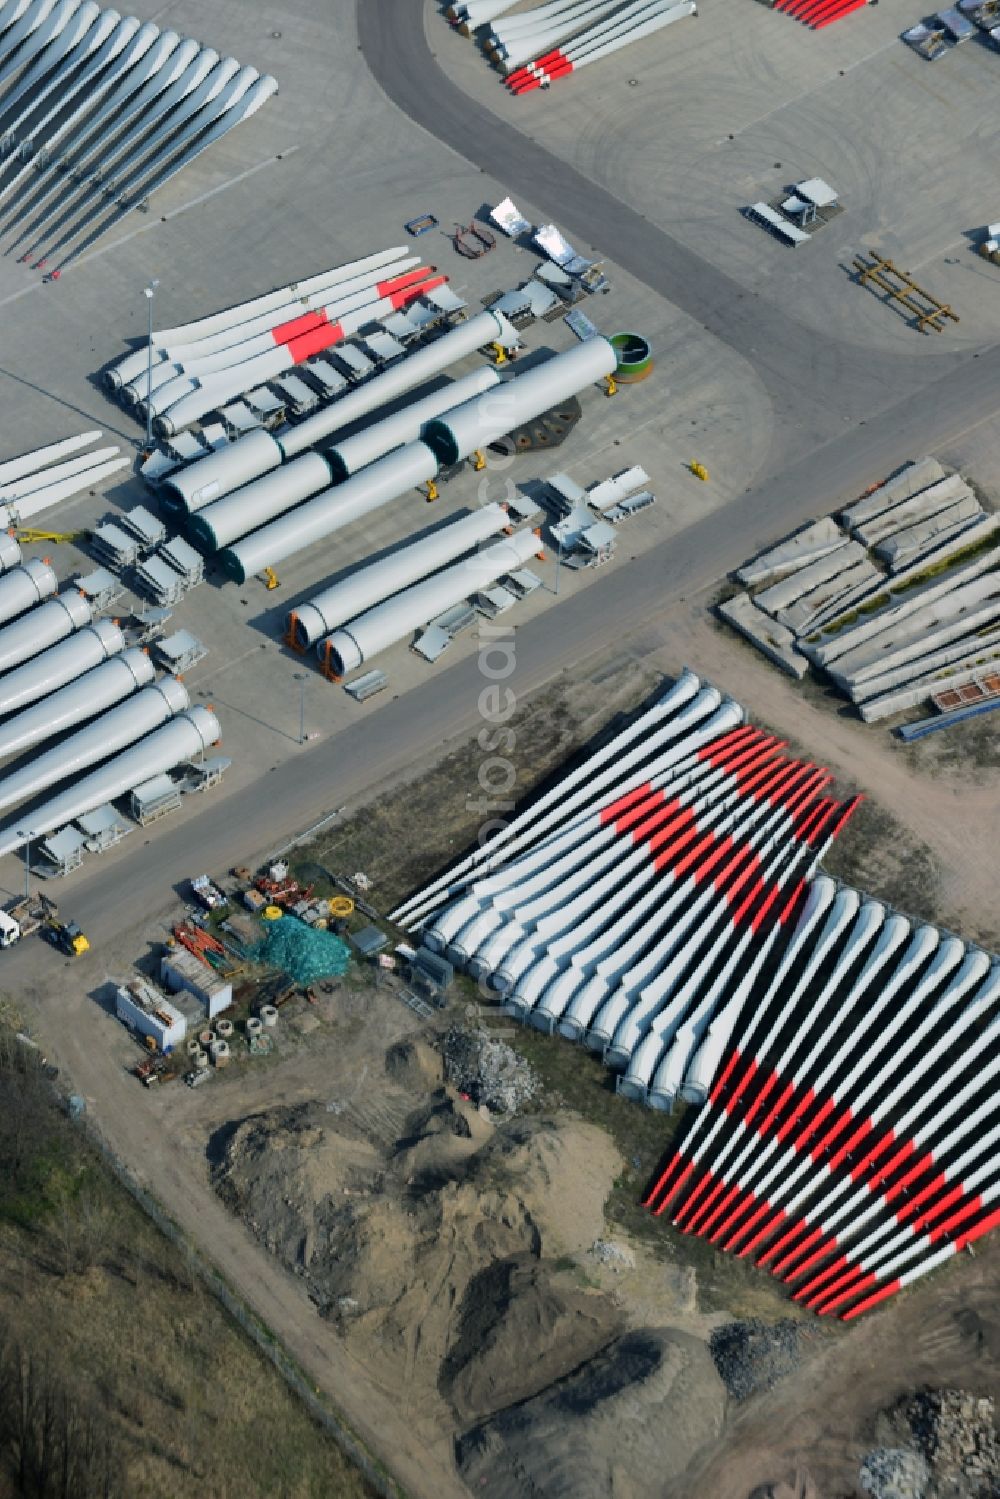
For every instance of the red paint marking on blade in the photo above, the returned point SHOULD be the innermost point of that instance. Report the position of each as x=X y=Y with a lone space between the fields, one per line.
x=663 y=1183
x=398 y=283
x=732 y=1215
x=404 y=298
x=683 y=1218
x=666 y=860
x=786 y=1240
x=955 y=1220
x=921 y=1165
x=743 y=1084
x=830 y=1303
x=840 y=1155
x=788 y=910
x=977 y=1231
x=937 y=1184
x=840 y=1277
x=705 y=1228
x=764 y=912
x=845 y=817
x=717 y=750
x=724 y=1076
x=283 y=333
x=312 y=343
x=775 y=1109
x=615 y=809
x=806 y=1102
x=672 y=821
x=792 y=1270
x=826 y=1139
x=778 y=1217
x=870 y=1301
x=655 y=802
x=772 y=1254
x=813 y=1290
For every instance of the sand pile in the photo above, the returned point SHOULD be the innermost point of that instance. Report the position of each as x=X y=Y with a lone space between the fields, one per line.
x=454 y=1263
x=627 y=1422
x=444 y=1256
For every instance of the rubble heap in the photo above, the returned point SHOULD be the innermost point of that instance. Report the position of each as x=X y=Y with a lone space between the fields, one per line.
x=488 y=1071
x=944 y=1444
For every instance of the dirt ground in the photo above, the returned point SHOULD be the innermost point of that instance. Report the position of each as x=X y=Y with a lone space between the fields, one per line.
x=926 y=842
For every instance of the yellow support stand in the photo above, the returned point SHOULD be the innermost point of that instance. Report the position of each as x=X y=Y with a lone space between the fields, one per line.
x=478 y=461
x=270 y=579
x=432 y=490
x=699 y=470
x=499 y=354
x=26 y=534
x=610 y=385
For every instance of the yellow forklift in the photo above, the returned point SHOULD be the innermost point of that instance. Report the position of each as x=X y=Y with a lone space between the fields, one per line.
x=65 y=935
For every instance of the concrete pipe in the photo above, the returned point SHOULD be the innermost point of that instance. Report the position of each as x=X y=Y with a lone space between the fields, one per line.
x=367 y=586
x=90 y=694
x=60 y=664
x=478 y=423
x=330 y=511
x=184 y=738
x=24 y=586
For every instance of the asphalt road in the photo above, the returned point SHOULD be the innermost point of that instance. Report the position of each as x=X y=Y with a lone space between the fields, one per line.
x=113 y=894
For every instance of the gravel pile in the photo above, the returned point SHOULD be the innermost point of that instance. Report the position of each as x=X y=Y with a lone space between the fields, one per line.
x=894 y=1473
x=615 y=1256
x=488 y=1071
x=936 y=1444
x=752 y=1356
x=955 y=1432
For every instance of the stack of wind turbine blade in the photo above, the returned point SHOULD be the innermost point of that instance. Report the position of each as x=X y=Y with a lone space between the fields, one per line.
x=215 y=389
x=225 y=323
x=103 y=110
x=35 y=482
x=156 y=73
x=231 y=344
x=239 y=105
x=128 y=44
x=621 y=30
x=663 y=904
x=521 y=48
x=187 y=364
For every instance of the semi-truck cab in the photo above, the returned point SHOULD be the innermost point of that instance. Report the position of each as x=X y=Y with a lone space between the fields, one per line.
x=10 y=929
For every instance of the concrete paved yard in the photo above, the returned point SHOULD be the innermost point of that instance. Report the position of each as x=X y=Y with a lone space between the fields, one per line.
x=737 y=104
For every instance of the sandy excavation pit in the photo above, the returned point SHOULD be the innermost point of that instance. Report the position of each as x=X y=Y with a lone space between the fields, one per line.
x=452 y=1263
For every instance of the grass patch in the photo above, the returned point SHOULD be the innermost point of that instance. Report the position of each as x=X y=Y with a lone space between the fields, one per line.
x=98 y=1298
